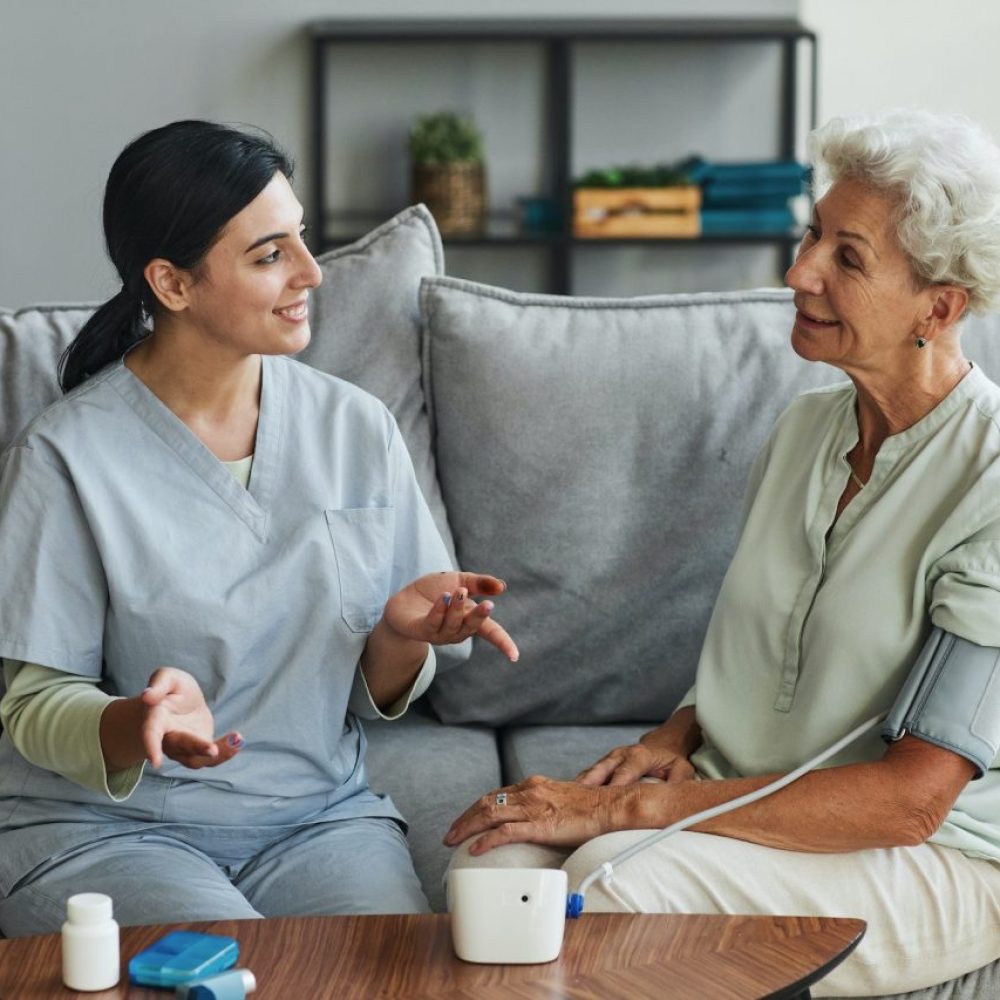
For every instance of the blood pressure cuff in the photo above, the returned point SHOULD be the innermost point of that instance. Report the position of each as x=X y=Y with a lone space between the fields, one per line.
x=952 y=699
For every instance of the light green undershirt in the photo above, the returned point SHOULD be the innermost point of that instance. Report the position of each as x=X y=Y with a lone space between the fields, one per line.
x=54 y=718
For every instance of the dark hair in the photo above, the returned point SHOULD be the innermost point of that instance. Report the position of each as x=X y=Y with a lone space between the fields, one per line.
x=169 y=194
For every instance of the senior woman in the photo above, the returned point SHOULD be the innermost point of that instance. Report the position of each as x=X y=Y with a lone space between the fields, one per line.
x=872 y=516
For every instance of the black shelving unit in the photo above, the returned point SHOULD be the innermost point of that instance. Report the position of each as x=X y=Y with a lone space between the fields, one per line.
x=558 y=39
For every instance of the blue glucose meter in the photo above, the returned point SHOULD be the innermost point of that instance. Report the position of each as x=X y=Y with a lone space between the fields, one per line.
x=182 y=957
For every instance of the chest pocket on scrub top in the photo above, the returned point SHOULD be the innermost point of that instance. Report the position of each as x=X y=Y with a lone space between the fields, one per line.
x=362 y=546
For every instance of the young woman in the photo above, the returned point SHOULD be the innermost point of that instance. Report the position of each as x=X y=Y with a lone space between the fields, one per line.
x=199 y=544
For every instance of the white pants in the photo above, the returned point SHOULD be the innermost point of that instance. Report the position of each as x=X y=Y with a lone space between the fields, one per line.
x=933 y=913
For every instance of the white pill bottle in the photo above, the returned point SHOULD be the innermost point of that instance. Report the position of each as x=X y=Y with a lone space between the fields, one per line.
x=90 y=953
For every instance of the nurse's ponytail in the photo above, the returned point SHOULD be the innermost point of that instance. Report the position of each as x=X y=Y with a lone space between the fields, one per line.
x=107 y=335
x=169 y=195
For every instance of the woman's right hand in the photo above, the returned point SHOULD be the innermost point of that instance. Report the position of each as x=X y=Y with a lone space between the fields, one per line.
x=628 y=764
x=169 y=719
x=177 y=723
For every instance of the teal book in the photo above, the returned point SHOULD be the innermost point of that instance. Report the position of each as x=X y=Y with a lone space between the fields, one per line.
x=747 y=221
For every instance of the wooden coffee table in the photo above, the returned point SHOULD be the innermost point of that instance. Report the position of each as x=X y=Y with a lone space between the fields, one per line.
x=604 y=955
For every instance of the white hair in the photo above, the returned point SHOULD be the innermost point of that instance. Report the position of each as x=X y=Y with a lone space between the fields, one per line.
x=943 y=173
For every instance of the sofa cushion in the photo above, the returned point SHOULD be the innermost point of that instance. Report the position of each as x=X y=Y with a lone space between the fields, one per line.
x=31 y=343
x=559 y=752
x=366 y=329
x=433 y=773
x=594 y=453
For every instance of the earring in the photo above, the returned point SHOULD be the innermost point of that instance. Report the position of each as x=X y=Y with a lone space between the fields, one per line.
x=921 y=343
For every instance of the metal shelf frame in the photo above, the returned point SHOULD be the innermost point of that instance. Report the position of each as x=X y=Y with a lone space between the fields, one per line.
x=557 y=39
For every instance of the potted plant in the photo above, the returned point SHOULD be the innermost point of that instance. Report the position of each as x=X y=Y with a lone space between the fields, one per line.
x=446 y=153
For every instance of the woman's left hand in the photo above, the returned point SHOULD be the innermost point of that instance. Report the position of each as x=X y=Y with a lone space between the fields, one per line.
x=438 y=608
x=542 y=811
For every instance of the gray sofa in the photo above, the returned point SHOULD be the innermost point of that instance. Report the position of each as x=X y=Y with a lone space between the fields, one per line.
x=591 y=452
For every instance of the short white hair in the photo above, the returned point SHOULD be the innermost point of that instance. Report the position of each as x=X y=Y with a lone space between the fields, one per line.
x=943 y=173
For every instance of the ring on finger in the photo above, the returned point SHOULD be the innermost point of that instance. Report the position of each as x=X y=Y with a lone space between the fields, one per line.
x=501 y=798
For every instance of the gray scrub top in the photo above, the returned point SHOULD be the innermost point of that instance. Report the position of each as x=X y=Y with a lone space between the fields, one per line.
x=133 y=547
x=819 y=621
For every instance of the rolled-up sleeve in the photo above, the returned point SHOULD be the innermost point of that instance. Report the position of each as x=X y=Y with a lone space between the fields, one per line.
x=965 y=589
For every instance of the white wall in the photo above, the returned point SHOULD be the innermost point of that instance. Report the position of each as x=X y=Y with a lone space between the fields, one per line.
x=79 y=79
x=876 y=54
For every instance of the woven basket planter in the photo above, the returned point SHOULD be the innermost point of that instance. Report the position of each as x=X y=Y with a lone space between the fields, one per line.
x=455 y=193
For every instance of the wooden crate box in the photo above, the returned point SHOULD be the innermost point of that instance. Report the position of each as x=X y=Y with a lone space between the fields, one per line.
x=600 y=213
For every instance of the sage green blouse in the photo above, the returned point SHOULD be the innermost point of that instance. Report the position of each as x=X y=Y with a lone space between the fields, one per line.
x=818 y=621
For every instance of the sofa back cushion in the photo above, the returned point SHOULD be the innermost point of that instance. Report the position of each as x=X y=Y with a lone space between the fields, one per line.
x=594 y=454
x=31 y=343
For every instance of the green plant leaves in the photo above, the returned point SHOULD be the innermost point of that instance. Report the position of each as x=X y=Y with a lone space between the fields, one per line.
x=445 y=137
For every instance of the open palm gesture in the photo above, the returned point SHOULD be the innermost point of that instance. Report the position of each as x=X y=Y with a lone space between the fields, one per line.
x=439 y=609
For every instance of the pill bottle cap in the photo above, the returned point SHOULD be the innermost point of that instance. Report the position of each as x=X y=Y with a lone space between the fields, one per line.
x=88 y=908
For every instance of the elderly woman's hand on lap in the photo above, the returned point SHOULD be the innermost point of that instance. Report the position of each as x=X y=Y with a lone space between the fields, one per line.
x=542 y=811
x=663 y=753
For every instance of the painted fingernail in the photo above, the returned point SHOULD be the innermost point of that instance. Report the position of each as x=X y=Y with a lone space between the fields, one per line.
x=236 y=740
x=446 y=598
x=488 y=605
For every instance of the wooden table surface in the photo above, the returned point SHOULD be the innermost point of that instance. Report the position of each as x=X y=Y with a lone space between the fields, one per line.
x=604 y=955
